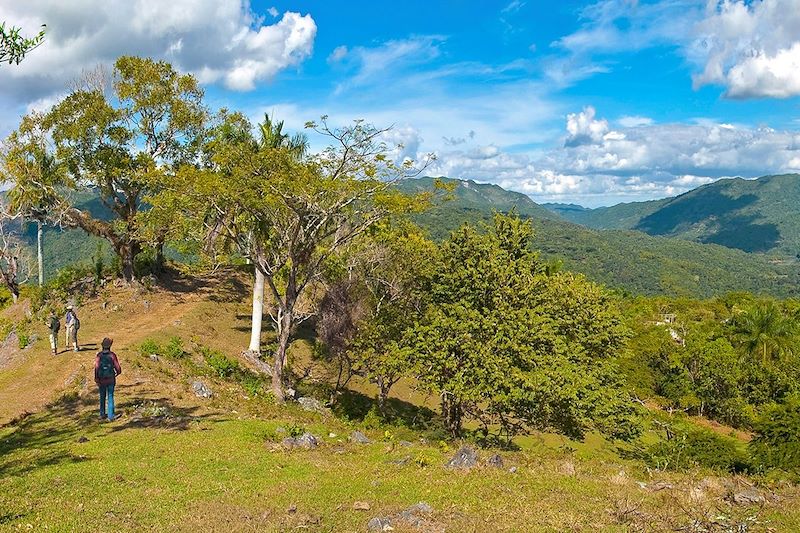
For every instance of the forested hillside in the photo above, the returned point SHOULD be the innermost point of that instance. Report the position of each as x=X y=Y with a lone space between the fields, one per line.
x=625 y=260
x=761 y=215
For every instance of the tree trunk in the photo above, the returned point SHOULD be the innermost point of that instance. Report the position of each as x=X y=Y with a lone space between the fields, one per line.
x=127 y=252
x=383 y=395
x=284 y=331
x=39 y=258
x=451 y=413
x=258 y=312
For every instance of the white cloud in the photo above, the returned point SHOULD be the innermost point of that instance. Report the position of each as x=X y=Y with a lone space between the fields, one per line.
x=634 y=121
x=339 y=53
x=753 y=48
x=219 y=40
x=582 y=128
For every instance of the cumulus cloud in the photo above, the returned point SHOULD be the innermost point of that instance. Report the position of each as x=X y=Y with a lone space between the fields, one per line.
x=218 y=40
x=582 y=128
x=753 y=48
x=643 y=160
x=634 y=121
x=339 y=53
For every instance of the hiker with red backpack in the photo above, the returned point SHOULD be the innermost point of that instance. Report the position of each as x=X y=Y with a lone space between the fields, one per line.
x=106 y=370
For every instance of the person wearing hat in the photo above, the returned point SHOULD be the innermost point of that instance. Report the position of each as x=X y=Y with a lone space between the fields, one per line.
x=106 y=370
x=54 y=325
x=73 y=324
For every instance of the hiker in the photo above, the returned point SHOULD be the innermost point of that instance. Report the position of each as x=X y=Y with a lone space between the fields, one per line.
x=53 y=325
x=106 y=370
x=73 y=325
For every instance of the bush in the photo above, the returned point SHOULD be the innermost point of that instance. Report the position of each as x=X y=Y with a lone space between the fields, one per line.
x=174 y=348
x=222 y=365
x=697 y=448
x=777 y=437
x=149 y=346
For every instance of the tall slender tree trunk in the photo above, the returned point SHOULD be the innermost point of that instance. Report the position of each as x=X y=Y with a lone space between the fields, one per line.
x=39 y=257
x=258 y=312
x=127 y=252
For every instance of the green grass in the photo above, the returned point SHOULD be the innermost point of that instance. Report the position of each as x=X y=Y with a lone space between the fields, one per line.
x=216 y=470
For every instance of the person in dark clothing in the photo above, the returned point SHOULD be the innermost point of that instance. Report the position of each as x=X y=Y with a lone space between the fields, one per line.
x=54 y=325
x=106 y=370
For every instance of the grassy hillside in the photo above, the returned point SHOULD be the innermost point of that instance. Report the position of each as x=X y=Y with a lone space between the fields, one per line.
x=627 y=260
x=177 y=462
x=761 y=215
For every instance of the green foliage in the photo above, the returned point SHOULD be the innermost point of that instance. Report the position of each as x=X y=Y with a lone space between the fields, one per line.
x=776 y=443
x=24 y=332
x=14 y=46
x=513 y=348
x=222 y=365
x=628 y=260
x=173 y=349
x=691 y=448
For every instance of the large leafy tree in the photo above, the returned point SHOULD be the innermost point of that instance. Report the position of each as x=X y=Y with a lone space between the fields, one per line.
x=28 y=161
x=271 y=137
x=289 y=216
x=14 y=46
x=513 y=348
x=115 y=141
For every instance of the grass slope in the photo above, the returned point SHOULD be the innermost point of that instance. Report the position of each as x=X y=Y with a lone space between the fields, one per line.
x=179 y=463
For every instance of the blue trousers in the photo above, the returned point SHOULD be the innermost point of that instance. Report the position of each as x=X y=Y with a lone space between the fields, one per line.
x=107 y=391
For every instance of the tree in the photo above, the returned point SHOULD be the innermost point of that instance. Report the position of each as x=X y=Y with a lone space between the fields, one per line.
x=511 y=347
x=115 y=143
x=14 y=262
x=290 y=217
x=271 y=137
x=30 y=164
x=13 y=46
x=764 y=331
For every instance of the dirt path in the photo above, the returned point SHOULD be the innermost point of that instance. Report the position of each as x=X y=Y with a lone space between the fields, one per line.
x=31 y=378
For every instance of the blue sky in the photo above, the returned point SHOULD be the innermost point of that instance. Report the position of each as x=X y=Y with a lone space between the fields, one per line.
x=586 y=102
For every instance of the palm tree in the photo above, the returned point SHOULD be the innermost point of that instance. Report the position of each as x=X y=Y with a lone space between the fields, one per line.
x=272 y=137
x=763 y=329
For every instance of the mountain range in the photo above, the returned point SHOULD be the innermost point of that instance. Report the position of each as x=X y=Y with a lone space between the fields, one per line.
x=626 y=259
x=760 y=215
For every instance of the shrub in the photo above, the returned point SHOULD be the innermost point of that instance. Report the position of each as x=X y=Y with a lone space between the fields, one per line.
x=222 y=365
x=174 y=348
x=777 y=437
x=697 y=448
x=149 y=346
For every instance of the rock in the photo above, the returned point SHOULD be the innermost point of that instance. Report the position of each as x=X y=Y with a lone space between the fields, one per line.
x=513 y=469
x=495 y=461
x=154 y=358
x=312 y=405
x=280 y=429
x=292 y=509
x=103 y=305
x=405 y=443
x=290 y=392
x=567 y=468
x=82 y=439
x=201 y=390
x=361 y=506
x=748 y=497
x=380 y=524
x=401 y=461
x=659 y=485
x=415 y=515
x=306 y=440
x=359 y=438
x=466 y=457
x=332 y=435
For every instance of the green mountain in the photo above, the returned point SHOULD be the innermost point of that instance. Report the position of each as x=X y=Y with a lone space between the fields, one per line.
x=761 y=215
x=627 y=260
x=468 y=195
